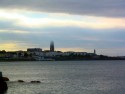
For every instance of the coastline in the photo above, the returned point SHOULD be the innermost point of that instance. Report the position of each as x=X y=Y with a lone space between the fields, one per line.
x=61 y=60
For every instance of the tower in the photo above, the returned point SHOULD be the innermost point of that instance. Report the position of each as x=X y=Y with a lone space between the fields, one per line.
x=94 y=51
x=52 y=46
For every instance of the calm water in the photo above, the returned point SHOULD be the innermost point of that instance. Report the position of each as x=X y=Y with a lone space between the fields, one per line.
x=67 y=77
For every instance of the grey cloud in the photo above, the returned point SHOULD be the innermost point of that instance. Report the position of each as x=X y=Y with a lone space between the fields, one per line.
x=68 y=37
x=113 y=8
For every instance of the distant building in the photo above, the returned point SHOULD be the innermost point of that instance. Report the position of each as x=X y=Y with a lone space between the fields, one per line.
x=35 y=53
x=74 y=53
x=94 y=51
x=53 y=54
x=46 y=51
x=34 y=50
x=51 y=46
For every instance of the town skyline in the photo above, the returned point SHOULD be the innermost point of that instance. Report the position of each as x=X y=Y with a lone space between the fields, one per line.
x=38 y=54
x=81 y=25
x=52 y=48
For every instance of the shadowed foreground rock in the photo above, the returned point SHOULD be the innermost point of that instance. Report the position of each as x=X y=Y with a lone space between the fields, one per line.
x=3 y=86
x=6 y=79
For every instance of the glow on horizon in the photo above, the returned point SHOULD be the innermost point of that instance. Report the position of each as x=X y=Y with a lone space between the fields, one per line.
x=74 y=49
x=8 y=46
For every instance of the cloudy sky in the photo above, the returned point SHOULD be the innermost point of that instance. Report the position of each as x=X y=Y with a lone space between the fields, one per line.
x=73 y=25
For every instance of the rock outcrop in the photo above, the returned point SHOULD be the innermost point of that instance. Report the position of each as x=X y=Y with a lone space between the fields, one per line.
x=3 y=86
x=21 y=81
x=6 y=79
x=35 y=82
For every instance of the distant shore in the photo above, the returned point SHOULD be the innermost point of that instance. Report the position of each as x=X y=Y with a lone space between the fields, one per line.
x=14 y=60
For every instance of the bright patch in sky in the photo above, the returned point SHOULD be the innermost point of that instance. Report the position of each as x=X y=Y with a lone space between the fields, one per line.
x=44 y=20
x=8 y=46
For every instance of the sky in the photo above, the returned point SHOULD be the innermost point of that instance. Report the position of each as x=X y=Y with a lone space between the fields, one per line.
x=73 y=25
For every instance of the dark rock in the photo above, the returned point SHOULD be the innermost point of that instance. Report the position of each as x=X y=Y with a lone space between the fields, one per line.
x=35 y=82
x=3 y=86
x=21 y=81
x=5 y=79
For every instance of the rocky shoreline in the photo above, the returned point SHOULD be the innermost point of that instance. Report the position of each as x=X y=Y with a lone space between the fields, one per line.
x=3 y=83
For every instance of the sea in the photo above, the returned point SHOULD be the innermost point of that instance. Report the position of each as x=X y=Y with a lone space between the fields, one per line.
x=65 y=77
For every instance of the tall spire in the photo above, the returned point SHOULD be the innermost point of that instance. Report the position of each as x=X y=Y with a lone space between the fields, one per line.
x=52 y=46
x=94 y=51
